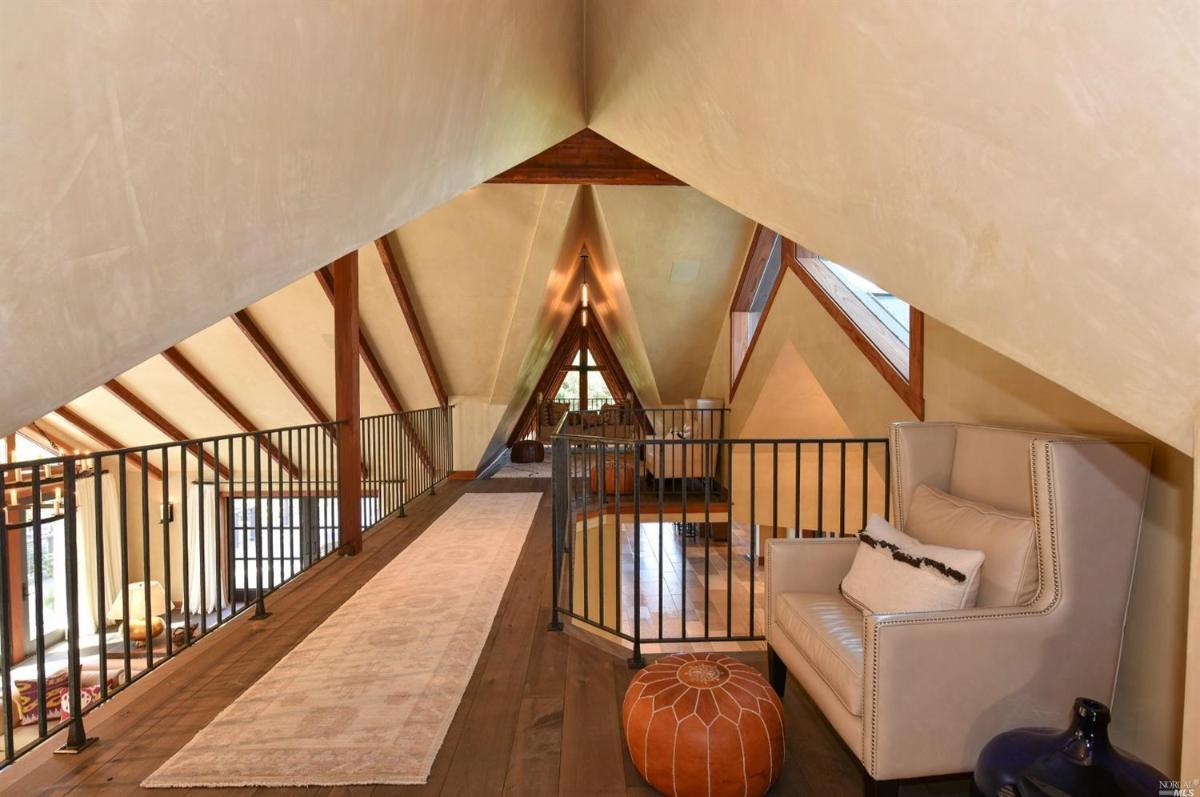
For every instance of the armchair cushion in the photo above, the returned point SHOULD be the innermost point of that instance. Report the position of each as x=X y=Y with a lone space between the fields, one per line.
x=1008 y=540
x=892 y=572
x=828 y=631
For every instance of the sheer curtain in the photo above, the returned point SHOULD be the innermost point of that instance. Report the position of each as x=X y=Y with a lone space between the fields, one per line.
x=90 y=577
x=202 y=509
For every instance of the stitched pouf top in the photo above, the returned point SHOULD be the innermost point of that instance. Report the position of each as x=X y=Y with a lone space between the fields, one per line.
x=704 y=724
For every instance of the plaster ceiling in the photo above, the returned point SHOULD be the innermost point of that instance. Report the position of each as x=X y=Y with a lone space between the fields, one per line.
x=1029 y=178
x=167 y=164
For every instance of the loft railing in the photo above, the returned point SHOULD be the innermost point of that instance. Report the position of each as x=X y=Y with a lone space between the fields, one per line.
x=660 y=540
x=629 y=422
x=405 y=455
x=113 y=562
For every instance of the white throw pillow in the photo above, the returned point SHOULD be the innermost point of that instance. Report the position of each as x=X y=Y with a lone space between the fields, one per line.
x=893 y=572
x=1008 y=541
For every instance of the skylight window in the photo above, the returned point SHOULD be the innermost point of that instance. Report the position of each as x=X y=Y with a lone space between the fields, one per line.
x=892 y=311
x=888 y=331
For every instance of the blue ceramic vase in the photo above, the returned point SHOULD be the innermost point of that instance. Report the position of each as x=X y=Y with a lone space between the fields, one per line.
x=1080 y=761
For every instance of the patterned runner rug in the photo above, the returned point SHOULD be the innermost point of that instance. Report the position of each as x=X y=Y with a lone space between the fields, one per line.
x=369 y=695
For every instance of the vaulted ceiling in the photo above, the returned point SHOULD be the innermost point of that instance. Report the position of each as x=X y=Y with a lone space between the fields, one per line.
x=1029 y=179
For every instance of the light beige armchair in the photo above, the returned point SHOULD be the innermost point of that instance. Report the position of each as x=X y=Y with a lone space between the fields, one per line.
x=919 y=694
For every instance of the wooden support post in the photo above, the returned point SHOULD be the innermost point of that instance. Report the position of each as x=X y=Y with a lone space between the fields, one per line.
x=16 y=544
x=346 y=353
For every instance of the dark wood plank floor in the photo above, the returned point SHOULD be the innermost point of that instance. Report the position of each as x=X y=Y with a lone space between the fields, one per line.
x=539 y=717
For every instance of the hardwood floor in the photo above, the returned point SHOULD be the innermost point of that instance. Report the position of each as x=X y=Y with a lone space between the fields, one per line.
x=539 y=717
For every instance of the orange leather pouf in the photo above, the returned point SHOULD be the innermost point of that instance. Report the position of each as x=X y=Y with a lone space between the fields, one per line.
x=704 y=724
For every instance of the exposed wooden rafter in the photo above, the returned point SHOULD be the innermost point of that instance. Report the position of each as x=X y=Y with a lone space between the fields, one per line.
x=263 y=344
x=391 y=266
x=103 y=438
x=586 y=158
x=155 y=419
x=325 y=277
x=214 y=394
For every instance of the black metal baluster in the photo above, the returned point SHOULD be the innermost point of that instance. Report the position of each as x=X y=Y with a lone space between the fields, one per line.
x=707 y=535
x=820 y=488
x=637 y=661
x=842 y=489
x=147 y=618
x=260 y=607
x=101 y=580
x=729 y=561
x=76 y=736
x=866 y=453
x=6 y=610
x=799 y=531
x=753 y=532
x=187 y=576
x=38 y=598
x=164 y=518
x=662 y=478
x=686 y=461
x=123 y=495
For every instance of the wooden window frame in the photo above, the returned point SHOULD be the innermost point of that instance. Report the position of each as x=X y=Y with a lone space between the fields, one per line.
x=757 y=256
x=863 y=327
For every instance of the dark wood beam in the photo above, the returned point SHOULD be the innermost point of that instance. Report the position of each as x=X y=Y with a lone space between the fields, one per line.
x=103 y=438
x=155 y=419
x=586 y=158
x=391 y=267
x=755 y=265
x=269 y=353
x=910 y=387
x=346 y=341
x=568 y=344
x=325 y=277
x=199 y=381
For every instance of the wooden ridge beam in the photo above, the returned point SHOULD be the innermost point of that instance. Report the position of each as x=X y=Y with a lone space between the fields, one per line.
x=263 y=345
x=391 y=267
x=104 y=438
x=199 y=381
x=152 y=416
x=586 y=158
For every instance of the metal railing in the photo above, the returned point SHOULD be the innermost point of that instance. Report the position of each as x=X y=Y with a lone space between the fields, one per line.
x=405 y=455
x=660 y=540
x=171 y=542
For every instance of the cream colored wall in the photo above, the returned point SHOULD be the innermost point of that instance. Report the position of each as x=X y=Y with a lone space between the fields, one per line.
x=1025 y=173
x=166 y=165
x=966 y=381
x=1190 y=768
x=652 y=228
x=475 y=424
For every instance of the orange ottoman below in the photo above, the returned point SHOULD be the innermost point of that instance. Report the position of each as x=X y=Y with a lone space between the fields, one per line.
x=704 y=724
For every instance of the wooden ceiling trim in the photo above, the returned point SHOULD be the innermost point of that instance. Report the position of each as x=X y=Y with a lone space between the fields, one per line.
x=155 y=419
x=586 y=158
x=567 y=346
x=757 y=257
x=199 y=381
x=370 y=359
x=263 y=345
x=910 y=388
x=391 y=266
x=103 y=438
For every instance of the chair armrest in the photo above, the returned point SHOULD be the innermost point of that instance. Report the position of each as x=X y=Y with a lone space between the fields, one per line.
x=939 y=685
x=800 y=565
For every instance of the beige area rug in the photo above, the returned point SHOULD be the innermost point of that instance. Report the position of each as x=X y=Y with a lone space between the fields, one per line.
x=369 y=695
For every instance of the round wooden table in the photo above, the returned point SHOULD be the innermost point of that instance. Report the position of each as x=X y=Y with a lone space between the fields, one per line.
x=704 y=724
